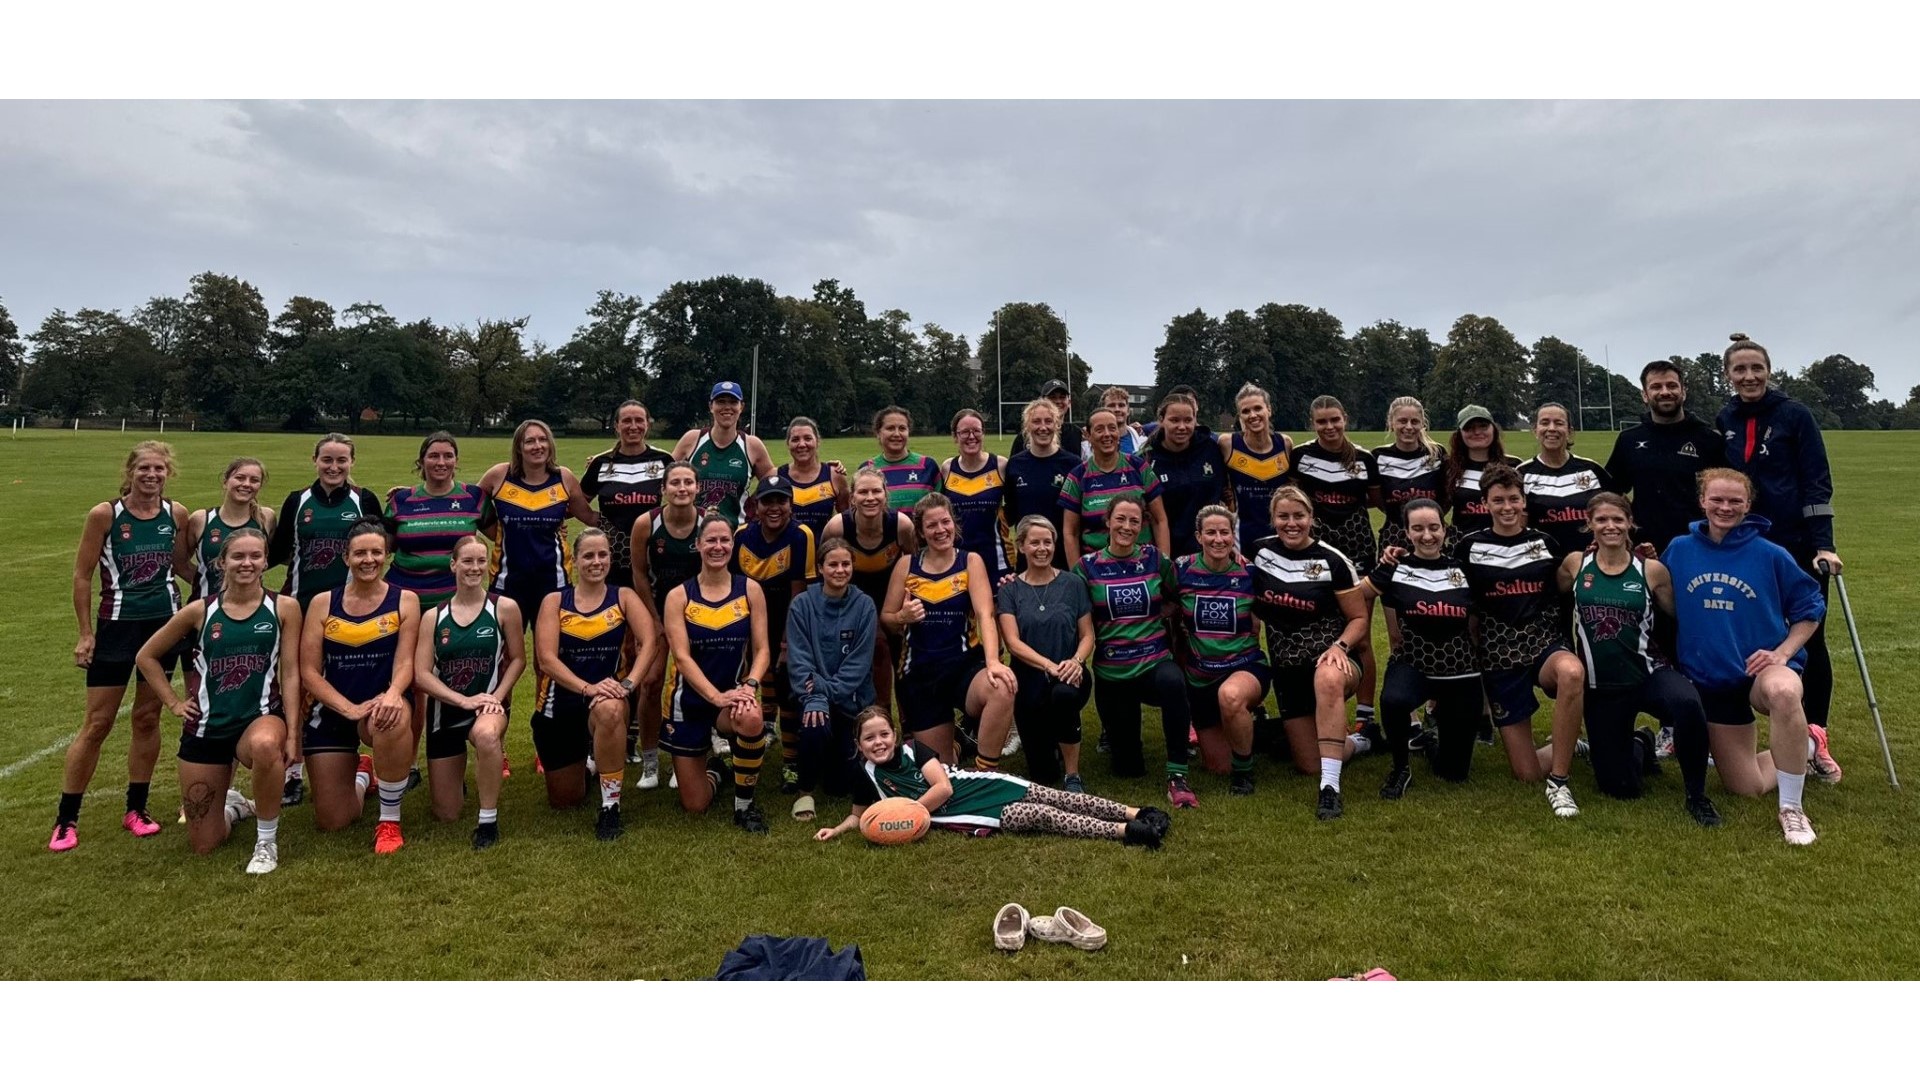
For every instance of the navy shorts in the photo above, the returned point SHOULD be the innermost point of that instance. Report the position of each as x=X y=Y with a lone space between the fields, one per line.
x=1731 y=705
x=115 y=644
x=934 y=690
x=562 y=739
x=1203 y=702
x=327 y=732
x=1293 y=689
x=1510 y=694
x=686 y=729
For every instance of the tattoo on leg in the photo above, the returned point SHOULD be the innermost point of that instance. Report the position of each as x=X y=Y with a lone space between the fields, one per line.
x=200 y=800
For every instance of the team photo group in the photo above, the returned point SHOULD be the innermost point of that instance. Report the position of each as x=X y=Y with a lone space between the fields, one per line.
x=908 y=627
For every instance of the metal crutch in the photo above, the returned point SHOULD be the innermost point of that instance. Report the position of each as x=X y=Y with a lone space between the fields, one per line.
x=1866 y=681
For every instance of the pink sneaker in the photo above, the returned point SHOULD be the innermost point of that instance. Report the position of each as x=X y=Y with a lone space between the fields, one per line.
x=66 y=837
x=1820 y=762
x=139 y=824
x=506 y=767
x=1369 y=975
x=1193 y=735
x=1180 y=795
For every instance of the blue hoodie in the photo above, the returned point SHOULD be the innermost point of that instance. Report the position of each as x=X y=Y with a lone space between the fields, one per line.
x=830 y=650
x=1733 y=599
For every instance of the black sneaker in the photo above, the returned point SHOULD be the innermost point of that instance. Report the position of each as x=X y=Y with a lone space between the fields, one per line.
x=1701 y=809
x=607 y=826
x=1330 y=806
x=1242 y=784
x=294 y=793
x=1484 y=736
x=750 y=818
x=1141 y=834
x=1423 y=739
x=1649 y=751
x=1160 y=821
x=1375 y=735
x=414 y=779
x=486 y=835
x=1397 y=782
x=1102 y=746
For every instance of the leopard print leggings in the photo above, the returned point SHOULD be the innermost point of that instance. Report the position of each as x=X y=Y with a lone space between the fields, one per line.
x=1063 y=813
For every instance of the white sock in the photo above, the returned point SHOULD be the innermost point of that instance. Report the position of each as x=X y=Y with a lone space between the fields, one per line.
x=391 y=792
x=740 y=803
x=236 y=813
x=1330 y=772
x=609 y=791
x=360 y=784
x=266 y=832
x=650 y=757
x=488 y=817
x=1360 y=743
x=293 y=771
x=1791 y=787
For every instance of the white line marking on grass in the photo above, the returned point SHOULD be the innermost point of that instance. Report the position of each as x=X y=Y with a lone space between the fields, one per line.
x=58 y=745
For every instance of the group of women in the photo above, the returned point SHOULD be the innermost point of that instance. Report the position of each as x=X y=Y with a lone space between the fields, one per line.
x=713 y=599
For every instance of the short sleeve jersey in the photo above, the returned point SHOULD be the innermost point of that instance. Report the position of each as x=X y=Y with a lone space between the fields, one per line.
x=1130 y=630
x=1406 y=475
x=1434 y=603
x=1089 y=490
x=1557 y=497
x=1216 y=610
x=1515 y=591
x=1338 y=489
x=1297 y=595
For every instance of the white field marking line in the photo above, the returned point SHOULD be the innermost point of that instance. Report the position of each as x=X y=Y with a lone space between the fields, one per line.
x=55 y=747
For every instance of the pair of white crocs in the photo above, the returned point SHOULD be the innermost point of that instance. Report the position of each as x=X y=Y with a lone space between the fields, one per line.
x=1012 y=926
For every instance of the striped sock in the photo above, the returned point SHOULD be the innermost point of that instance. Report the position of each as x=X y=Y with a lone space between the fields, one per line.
x=789 y=745
x=748 y=753
x=610 y=788
x=265 y=831
x=985 y=762
x=391 y=791
x=1242 y=763
x=1178 y=769
x=488 y=817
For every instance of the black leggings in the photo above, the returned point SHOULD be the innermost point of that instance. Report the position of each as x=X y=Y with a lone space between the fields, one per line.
x=1119 y=701
x=1816 y=681
x=1665 y=695
x=826 y=752
x=1046 y=712
x=1457 y=705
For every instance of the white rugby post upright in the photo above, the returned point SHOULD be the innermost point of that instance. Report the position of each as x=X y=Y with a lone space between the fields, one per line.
x=753 y=407
x=1866 y=681
x=999 y=379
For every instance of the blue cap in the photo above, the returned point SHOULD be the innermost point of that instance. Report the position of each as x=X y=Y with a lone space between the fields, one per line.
x=725 y=388
x=773 y=486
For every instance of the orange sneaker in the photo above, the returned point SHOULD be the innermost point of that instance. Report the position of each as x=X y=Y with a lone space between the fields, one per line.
x=387 y=838
x=506 y=767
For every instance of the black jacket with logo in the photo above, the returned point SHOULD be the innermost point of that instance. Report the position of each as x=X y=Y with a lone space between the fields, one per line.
x=1659 y=465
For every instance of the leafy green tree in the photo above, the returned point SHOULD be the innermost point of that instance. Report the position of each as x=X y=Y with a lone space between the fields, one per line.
x=703 y=331
x=1389 y=361
x=808 y=376
x=1309 y=359
x=892 y=371
x=603 y=358
x=1844 y=385
x=1245 y=357
x=1024 y=347
x=74 y=361
x=224 y=340
x=162 y=385
x=487 y=369
x=13 y=355
x=947 y=381
x=1481 y=364
x=1189 y=355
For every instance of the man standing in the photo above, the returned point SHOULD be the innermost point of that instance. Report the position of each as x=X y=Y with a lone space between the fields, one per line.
x=1056 y=392
x=1659 y=461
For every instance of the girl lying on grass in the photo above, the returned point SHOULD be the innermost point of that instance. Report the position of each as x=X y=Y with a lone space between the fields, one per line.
x=993 y=800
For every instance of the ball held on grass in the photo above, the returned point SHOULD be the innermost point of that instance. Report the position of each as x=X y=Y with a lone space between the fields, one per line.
x=895 y=821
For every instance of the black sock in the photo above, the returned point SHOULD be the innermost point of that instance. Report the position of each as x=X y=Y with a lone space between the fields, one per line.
x=137 y=796
x=69 y=809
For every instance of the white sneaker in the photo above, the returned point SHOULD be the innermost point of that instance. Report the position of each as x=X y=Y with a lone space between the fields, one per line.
x=1560 y=797
x=649 y=772
x=266 y=857
x=239 y=807
x=1013 y=745
x=1663 y=744
x=1796 y=827
x=721 y=748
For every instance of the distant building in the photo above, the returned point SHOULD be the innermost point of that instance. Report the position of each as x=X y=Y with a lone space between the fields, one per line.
x=1138 y=406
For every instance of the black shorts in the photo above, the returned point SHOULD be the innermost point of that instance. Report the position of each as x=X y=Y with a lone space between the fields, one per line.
x=1203 y=701
x=210 y=749
x=1293 y=689
x=115 y=644
x=1731 y=705
x=562 y=739
x=1510 y=694
x=935 y=690
x=447 y=730
x=327 y=732
x=529 y=598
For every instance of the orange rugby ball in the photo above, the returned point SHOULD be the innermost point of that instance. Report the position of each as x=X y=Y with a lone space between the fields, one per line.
x=895 y=821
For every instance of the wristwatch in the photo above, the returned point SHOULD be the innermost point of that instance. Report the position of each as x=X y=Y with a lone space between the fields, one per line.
x=627 y=685
x=1344 y=647
x=754 y=683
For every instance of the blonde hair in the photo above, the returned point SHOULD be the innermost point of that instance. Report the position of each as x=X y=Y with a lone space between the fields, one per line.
x=1288 y=493
x=1032 y=522
x=163 y=451
x=519 y=462
x=1435 y=452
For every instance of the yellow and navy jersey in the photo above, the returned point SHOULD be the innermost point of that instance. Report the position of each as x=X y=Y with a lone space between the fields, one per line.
x=873 y=566
x=1254 y=478
x=719 y=639
x=357 y=651
x=813 y=503
x=591 y=642
x=978 y=509
x=948 y=630
x=533 y=552
x=777 y=563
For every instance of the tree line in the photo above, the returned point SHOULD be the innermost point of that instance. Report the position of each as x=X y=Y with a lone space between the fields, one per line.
x=216 y=355
x=1297 y=352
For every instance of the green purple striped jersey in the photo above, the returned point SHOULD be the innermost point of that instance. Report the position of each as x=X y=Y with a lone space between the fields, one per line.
x=1129 y=627
x=907 y=479
x=1089 y=490
x=425 y=527
x=1216 y=610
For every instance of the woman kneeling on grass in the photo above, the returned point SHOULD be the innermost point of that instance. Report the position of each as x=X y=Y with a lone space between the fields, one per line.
x=466 y=663
x=1745 y=611
x=985 y=800
x=356 y=663
x=246 y=665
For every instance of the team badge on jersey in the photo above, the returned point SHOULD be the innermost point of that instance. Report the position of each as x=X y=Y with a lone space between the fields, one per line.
x=215 y=632
x=446 y=635
x=1315 y=571
x=1456 y=578
x=306 y=518
x=126 y=531
x=214 y=537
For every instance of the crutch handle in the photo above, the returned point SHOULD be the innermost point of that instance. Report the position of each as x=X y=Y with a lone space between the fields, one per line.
x=1824 y=566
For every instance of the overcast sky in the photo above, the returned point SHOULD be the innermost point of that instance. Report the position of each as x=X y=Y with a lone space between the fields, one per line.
x=1632 y=229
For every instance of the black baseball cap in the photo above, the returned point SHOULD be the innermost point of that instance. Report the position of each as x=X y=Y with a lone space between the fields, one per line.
x=1054 y=386
x=775 y=486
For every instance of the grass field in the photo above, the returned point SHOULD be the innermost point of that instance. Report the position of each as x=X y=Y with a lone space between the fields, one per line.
x=1474 y=881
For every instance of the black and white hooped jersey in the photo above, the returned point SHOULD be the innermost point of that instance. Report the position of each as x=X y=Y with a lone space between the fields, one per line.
x=1557 y=497
x=1469 y=503
x=1515 y=591
x=1434 y=604
x=1297 y=595
x=1338 y=489
x=1406 y=475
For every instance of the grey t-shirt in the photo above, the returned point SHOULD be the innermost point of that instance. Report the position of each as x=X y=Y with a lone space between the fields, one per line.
x=1048 y=615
